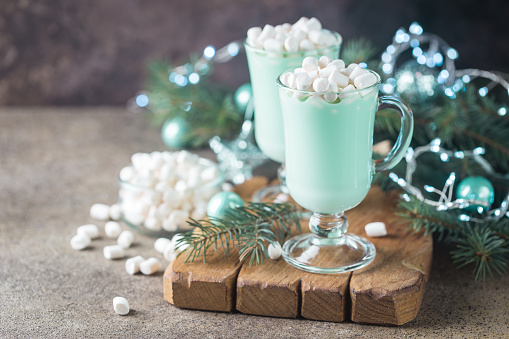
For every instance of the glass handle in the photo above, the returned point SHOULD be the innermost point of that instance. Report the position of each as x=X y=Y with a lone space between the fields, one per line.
x=405 y=133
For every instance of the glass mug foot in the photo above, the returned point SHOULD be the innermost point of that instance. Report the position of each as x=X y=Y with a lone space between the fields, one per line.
x=328 y=249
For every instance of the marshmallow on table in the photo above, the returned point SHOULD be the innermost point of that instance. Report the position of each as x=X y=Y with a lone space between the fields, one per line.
x=125 y=239
x=150 y=266
x=112 y=229
x=121 y=305
x=169 y=253
x=161 y=243
x=100 y=212
x=176 y=238
x=274 y=250
x=375 y=229
x=115 y=212
x=113 y=252
x=90 y=230
x=132 y=265
x=80 y=242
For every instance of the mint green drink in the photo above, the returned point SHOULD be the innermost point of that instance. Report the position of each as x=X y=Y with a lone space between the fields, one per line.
x=329 y=168
x=264 y=68
x=329 y=162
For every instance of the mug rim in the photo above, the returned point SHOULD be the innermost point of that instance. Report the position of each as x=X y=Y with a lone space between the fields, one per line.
x=293 y=90
x=339 y=41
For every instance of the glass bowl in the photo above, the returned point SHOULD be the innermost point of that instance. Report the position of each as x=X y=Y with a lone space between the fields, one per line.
x=149 y=211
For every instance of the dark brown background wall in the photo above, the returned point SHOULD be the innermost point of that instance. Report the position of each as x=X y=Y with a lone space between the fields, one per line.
x=73 y=52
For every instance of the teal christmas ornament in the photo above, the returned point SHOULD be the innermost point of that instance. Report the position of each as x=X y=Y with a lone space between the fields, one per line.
x=175 y=133
x=476 y=188
x=221 y=202
x=242 y=96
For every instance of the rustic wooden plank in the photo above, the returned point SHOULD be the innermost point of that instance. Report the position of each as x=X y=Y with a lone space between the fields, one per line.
x=211 y=285
x=390 y=290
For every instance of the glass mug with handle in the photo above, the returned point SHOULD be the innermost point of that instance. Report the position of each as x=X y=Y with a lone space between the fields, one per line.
x=264 y=68
x=329 y=169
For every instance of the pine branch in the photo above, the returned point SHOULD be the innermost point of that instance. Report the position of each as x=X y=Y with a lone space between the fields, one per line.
x=250 y=228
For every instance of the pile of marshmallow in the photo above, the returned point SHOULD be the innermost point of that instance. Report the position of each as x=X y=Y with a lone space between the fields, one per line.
x=161 y=190
x=328 y=77
x=304 y=35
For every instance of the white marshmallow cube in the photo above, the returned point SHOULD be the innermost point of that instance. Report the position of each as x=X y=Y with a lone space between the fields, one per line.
x=299 y=35
x=140 y=161
x=113 y=252
x=112 y=229
x=125 y=239
x=306 y=45
x=320 y=85
x=268 y=32
x=346 y=92
x=274 y=250
x=115 y=212
x=121 y=305
x=339 y=79
x=303 y=81
x=161 y=243
x=210 y=174
x=338 y=63
x=90 y=230
x=132 y=265
x=375 y=229
x=291 y=44
x=150 y=266
x=324 y=61
x=312 y=24
x=100 y=212
x=273 y=45
x=177 y=238
x=252 y=35
x=357 y=71
x=126 y=173
x=310 y=64
x=152 y=223
x=169 y=253
x=365 y=80
x=80 y=242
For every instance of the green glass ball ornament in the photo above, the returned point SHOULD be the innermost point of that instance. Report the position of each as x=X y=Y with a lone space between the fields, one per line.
x=416 y=83
x=175 y=133
x=242 y=96
x=221 y=202
x=476 y=188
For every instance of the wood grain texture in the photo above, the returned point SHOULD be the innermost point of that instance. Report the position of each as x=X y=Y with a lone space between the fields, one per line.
x=389 y=291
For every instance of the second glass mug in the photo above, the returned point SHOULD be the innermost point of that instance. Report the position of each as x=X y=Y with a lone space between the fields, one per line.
x=329 y=169
x=264 y=68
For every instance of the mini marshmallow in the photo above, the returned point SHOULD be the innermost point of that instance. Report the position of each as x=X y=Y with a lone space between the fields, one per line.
x=210 y=174
x=291 y=44
x=126 y=173
x=140 y=161
x=273 y=45
x=80 y=242
x=113 y=252
x=313 y=75
x=306 y=45
x=357 y=71
x=162 y=186
x=274 y=250
x=318 y=37
x=150 y=266
x=169 y=253
x=286 y=27
x=100 y=212
x=178 y=217
x=169 y=225
x=252 y=34
x=338 y=63
x=112 y=229
x=303 y=81
x=152 y=223
x=365 y=80
x=375 y=229
x=339 y=79
x=299 y=35
x=324 y=61
x=132 y=265
x=310 y=64
x=312 y=25
x=320 y=85
x=125 y=239
x=284 y=79
x=331 y=96
x=161 y=243
x=301 y=22
x=121 y=305
x=281 y=37
x=90 y=230
x=268 y=32
x=177 y=238
x=156 y=160
x=115 y=212
x=347 y=89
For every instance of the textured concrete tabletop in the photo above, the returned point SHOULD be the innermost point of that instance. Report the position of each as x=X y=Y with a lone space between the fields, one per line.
x=55 y=163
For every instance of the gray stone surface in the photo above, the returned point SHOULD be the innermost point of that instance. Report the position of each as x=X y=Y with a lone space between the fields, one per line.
x=55 y=163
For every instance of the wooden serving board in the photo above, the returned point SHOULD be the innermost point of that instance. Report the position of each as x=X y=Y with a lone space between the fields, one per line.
x=387 y=292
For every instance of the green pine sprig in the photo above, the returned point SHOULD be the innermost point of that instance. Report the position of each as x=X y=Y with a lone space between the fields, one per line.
x=249 y=228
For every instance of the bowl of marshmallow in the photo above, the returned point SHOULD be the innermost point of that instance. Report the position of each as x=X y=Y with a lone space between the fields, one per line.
x=160 y=191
